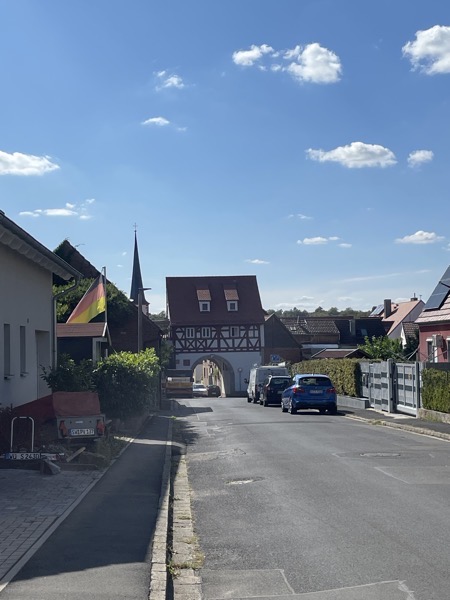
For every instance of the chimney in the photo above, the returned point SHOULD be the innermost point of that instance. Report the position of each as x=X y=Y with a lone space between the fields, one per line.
x=414 y=297
x=387 y=308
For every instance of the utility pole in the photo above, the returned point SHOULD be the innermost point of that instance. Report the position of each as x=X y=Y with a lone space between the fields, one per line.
x=139 y=323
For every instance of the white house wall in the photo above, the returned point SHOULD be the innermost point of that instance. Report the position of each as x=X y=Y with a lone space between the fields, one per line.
x=25 y=301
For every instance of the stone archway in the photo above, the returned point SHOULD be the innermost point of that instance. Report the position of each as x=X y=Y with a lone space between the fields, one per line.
x=216 y=370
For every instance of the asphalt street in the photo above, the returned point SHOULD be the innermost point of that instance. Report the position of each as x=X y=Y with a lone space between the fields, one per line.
x=102 y=549
x=323 y=507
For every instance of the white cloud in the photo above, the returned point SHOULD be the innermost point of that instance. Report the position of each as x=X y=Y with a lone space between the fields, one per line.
x=169 y=81
x=58 y=212
x=314 y=241
x=158 y=121
x=318 y=241
x=29 y=213
x=25 y=164
x=311 y=63
x=247 y=58
x=418 y=157
x=257 y=261
x=300 y=216
x=420 y=237
x=345 y=245
x=355 y=155
x=430 y=51
x=314 y=63
x=370 y=277
x=70 y=210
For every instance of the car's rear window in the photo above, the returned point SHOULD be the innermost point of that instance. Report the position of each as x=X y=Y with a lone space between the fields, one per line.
x=312 y=381
x=280 y=383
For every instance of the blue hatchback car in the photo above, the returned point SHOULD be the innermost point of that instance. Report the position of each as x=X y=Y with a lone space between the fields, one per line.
x=311 y=390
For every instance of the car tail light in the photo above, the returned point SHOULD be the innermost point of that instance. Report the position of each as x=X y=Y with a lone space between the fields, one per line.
x=298 y=390
x=331 y=390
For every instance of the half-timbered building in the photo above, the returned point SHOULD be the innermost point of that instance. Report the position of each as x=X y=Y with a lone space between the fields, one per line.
x=217 y=321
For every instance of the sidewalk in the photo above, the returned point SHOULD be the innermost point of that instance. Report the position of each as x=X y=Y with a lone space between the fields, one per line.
x=32 y=506
x=60 y=511
x=397 y=420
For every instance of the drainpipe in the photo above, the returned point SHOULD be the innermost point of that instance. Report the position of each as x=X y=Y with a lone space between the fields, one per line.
x=54 y=335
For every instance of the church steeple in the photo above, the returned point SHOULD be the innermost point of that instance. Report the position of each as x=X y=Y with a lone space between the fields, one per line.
x=136 y=278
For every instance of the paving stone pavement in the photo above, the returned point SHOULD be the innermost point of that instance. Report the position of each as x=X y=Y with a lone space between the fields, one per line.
x=31 y=503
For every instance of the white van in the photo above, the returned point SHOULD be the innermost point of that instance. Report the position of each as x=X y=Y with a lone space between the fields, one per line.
x=257 y=377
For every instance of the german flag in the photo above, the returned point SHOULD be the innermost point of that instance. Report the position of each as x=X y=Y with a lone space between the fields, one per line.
x=91 y=304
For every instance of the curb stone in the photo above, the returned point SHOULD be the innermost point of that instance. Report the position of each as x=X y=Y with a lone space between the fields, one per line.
x=159 y=549
x=184 y=550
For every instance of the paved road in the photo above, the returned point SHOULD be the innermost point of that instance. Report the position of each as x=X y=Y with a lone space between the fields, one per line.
x=101 y=550
x=323 y=507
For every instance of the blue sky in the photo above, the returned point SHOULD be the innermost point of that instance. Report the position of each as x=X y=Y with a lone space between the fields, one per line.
x=306 y=142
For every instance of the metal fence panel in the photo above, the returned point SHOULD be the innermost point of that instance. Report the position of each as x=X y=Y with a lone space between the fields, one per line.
x=392 y=386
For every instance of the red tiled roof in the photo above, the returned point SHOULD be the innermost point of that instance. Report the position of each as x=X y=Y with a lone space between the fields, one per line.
x=401 y=312
x=81 y=330
x=231 y=292
x=203 y=294
x=435 y=316
x=182 y=300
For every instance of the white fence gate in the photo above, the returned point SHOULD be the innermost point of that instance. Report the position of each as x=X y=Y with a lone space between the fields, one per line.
x=391 y=386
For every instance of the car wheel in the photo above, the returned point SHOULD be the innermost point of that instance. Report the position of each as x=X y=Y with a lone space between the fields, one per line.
x=322 y=411
x=292 y=410
x=283 y=408
x=332 y=411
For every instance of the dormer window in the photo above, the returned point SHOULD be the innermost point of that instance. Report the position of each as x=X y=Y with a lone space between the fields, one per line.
x=204 y=298
x=231 y=296
x=205 y=306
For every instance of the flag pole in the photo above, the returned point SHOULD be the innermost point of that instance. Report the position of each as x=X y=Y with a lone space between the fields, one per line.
x=106 y=294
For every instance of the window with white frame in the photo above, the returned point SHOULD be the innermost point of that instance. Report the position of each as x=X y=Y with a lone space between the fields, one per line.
x=232 y=305
x=6 y=349
x=206 y=332
x=23 y=350
x=431 y=351
x=205 y=306
x=190 y=332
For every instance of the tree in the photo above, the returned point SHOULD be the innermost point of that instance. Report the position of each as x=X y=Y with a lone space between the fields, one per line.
x=382 y=347
x=118 y=305
x=411 y=347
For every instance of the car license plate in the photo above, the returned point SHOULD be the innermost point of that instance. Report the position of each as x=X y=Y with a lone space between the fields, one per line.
x=78 y=432
x=316 y=392
x=23 y=455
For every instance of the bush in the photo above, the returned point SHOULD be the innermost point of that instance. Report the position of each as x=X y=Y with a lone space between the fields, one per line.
x=127 y=383
x=436 y=390
x=345 y=373
x=69 y=376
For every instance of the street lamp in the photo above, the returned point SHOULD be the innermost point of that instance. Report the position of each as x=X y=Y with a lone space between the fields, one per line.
x=140 y=296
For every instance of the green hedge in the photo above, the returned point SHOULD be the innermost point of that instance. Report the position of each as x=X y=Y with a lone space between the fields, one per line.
x=345 y=373
x=436 y=390
x=127 y=383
